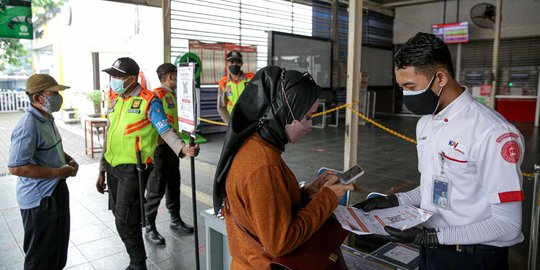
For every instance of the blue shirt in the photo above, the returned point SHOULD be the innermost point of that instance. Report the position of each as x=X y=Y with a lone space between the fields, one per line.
x=35 y=140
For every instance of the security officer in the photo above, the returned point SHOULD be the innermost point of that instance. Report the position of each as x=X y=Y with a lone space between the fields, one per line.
x=165 y=178
x=469 y=158
x=133 y=112
x=232 y=85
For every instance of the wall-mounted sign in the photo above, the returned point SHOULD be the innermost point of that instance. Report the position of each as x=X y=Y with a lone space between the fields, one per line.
x=452 y=32
x=16 y=19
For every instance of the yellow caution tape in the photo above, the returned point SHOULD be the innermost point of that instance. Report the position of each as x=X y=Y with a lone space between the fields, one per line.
x=335 y=109
x=314 y=115
x=212 y=122
x=393 y=132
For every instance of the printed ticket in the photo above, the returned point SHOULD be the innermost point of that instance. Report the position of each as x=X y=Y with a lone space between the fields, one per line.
x=373 y=222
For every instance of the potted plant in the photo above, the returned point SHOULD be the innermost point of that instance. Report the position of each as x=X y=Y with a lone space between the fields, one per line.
x=95 y=97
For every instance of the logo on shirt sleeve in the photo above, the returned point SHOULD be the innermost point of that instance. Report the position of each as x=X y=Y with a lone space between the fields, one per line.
x=511 y=151
x=507 y=135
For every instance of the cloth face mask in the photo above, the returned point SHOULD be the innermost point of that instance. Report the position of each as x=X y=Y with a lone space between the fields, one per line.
x=422 y=102
x=52 y=103
x=234 y=69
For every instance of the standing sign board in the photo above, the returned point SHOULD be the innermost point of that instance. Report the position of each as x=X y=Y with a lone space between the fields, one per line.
x=16 y=19
x=186 y=98
x=187 y=116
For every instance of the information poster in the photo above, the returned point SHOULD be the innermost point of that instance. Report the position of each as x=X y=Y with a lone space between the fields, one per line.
x=16 y=19
x=186 y=98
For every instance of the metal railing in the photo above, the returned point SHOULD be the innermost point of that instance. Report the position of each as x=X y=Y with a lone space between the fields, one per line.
x=13 y=101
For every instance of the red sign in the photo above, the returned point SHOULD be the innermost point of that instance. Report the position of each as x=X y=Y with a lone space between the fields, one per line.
x=485 y=89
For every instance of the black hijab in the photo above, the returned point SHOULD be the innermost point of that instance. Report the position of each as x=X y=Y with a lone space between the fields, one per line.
x=261 y=108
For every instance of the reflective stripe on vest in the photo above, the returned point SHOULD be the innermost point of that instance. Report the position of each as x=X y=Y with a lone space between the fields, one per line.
x=169 y=105
x=128 y=120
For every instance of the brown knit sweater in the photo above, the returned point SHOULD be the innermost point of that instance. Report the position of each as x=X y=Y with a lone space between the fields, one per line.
x=264 y=197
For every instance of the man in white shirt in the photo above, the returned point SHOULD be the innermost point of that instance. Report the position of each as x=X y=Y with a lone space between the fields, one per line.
x=469 y=158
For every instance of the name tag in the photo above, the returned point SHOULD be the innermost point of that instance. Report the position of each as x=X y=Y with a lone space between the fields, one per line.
x=134 y=111
x=441 y=191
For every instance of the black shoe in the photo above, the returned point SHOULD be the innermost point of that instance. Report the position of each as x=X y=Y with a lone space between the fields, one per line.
x=153 y=236
x=178 y=225
x=137 y=266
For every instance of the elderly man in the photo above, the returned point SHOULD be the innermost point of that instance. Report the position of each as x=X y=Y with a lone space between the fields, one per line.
x=38 y=159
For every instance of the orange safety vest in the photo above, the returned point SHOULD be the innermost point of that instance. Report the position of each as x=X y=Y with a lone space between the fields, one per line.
x=128 y=120
x=232 y=89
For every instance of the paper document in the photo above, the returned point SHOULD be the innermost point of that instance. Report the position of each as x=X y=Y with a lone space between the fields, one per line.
x=373 y=222
x=402 y=254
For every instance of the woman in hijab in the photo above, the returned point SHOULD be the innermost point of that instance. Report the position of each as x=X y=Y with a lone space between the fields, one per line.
x=267 y=213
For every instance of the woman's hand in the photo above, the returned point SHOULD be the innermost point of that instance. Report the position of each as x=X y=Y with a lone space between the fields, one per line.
x=338 y=188
x=316 y=185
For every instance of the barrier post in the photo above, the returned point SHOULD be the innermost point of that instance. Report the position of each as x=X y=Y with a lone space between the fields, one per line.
x=534 y=219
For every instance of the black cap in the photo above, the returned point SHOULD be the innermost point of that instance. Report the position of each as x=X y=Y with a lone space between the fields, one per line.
x=165 y=68
x=234 y=55
x=123 y=66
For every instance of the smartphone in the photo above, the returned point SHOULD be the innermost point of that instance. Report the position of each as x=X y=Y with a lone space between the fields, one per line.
x=351 y=174
x=324 y=169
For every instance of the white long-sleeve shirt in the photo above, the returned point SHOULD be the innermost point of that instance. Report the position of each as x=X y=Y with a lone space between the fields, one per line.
x=503 y=225
x=480 y=153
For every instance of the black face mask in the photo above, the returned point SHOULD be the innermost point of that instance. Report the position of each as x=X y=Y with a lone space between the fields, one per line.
x=234 y=69
x=423 y=103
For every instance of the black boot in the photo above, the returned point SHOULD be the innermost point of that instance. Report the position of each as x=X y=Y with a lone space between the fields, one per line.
x=137 y=266
x=178 y=225
x=152 y=235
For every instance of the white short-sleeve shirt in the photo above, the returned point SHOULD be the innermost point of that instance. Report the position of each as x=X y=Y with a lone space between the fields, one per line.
x=481 y=155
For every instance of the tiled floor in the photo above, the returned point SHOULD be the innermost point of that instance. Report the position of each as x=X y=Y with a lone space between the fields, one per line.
x=390 y=164
x=94 y=242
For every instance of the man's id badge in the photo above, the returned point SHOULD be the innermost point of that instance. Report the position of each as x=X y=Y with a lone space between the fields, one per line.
x=441 y=191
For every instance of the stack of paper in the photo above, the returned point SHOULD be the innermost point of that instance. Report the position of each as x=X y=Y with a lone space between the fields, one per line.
x=373 y=222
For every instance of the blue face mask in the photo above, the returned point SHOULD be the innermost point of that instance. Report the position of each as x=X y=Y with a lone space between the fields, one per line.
x=117 y=85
